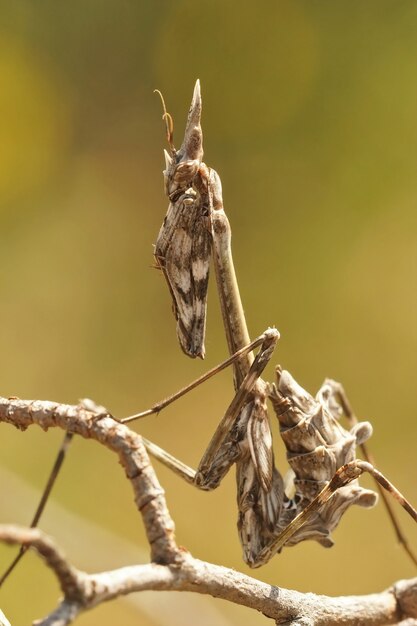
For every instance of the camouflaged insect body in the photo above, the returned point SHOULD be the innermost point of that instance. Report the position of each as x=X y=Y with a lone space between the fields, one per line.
x=270 y=517
x=260 y=492
x=183 y=246
x=317 y=446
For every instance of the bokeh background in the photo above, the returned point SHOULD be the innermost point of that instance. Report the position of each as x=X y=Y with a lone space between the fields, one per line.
x=310 y=119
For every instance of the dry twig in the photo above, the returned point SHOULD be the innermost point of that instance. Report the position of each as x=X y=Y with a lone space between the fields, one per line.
x=172 y=568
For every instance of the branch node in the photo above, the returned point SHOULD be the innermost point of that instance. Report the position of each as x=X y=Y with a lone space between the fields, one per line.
x=405 y=592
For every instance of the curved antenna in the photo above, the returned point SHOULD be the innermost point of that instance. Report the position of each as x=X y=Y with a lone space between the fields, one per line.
x=169 y=122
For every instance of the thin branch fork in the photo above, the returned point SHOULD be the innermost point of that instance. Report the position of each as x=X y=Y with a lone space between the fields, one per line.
x=172 y=568
x=128 y=445
x=83 y=591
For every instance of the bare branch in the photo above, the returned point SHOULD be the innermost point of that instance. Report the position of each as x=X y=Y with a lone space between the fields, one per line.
x=282 y=605
x=173 y=569
x=148 y=494
x=72 y=581
x=83 y=591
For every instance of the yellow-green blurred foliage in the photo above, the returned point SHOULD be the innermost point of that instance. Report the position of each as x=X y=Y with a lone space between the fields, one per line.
x=310 y=119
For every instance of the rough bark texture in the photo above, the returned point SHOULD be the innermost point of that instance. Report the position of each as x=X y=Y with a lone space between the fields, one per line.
x=171 y=568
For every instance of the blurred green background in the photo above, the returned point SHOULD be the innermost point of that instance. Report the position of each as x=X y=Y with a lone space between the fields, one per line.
x=310 y=119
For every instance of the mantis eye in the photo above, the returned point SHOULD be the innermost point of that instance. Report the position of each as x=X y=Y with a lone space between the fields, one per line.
x=185 y=171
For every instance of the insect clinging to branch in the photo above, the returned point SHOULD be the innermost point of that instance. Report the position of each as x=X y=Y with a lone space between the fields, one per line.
x=321 y=453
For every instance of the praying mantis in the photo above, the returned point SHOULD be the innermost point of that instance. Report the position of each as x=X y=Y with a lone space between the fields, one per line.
x=323 y=483
x=321 y=453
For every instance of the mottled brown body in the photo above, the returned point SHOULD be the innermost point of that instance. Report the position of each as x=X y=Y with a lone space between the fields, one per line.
x=320 y=452
x=183 y=247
